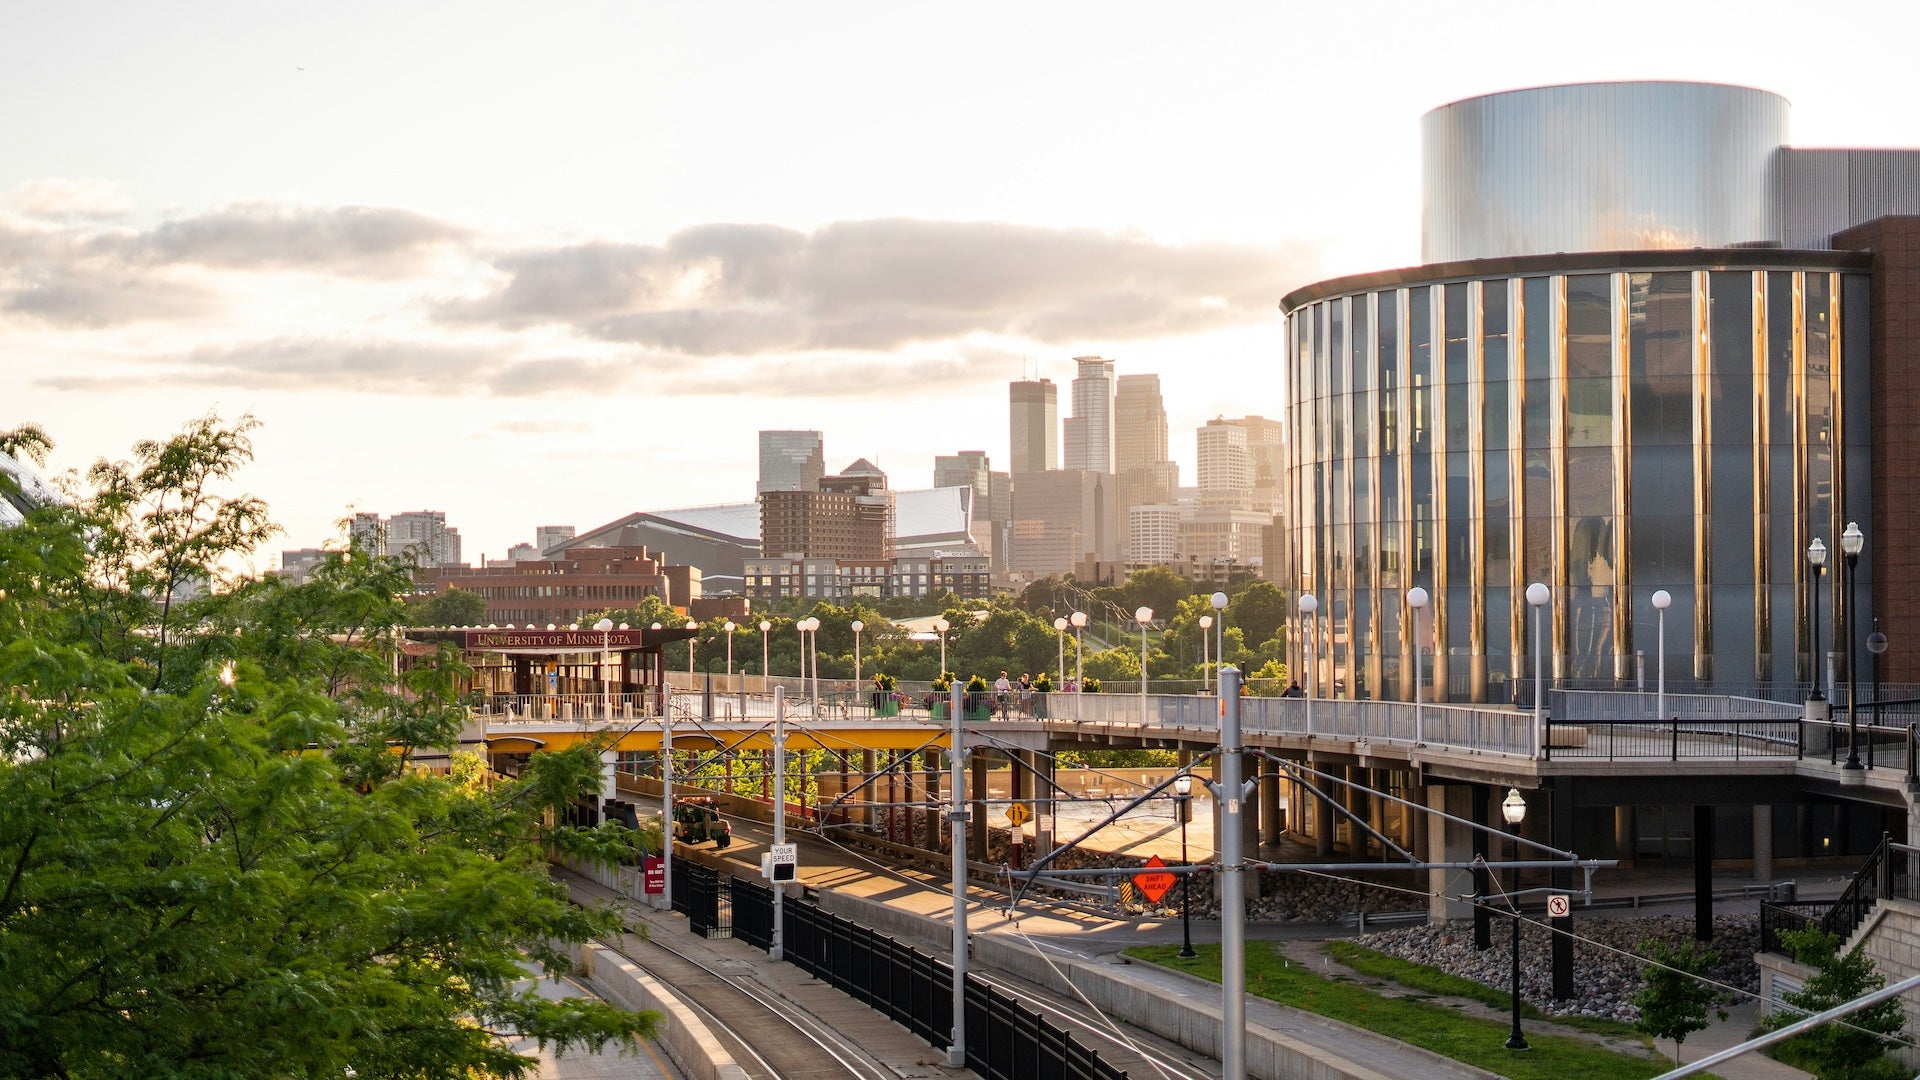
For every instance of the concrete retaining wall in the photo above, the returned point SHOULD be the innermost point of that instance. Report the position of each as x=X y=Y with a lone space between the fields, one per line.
x=689 y=1042
x=1891 y=939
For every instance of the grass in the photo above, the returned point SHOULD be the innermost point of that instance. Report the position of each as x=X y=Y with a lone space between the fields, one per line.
x=1431 y=980
x=1432 y=1026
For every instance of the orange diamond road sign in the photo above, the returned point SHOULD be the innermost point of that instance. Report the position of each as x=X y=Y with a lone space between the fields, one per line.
x=1153 y=882
x=1018 y=814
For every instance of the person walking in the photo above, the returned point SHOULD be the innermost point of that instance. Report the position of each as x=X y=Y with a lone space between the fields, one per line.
x=1002 y=691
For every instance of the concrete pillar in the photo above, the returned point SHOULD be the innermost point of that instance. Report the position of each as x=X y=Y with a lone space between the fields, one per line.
x=1043 y=814
x=1272 y=814
x=1763 y=842
x=1323 y=818
x=1447 y=841
x=930 y=762
x=870 y=793
x=1376 y=806
x=1623 y=845
x=977 y=835
x=1359 y=845
x=1413 y=823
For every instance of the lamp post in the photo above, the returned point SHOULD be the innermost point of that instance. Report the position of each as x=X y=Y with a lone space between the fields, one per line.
x=1143 y=616
x=1851 y=541
x=1060 y=662
x=807 y=627
x=942 y=625
x=1537 y=596
x=1417 y=600
x=1219 y=602
x=605 y=626
x=856 y=628
x=729 y=628
x=764 y=627
x=1183 y=805
x=695 y=627
x=1079 y=621
x=1817 y=699
x=1662 y=599
x=1206 y=624
x=1514 y=809
x=1309 y=604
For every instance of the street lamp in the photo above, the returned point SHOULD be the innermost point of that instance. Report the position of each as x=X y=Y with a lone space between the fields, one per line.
x=1514 y=809
x=729 y=628
x=942 y=625
x=1060 y=662
x=1537 y=596
x=1817 y=559
x=1143 y=616
x=1079 y=621
x=764 y=627
x=1206 y=624
x=856 y=628
x=1661 y=601
x=1851 y=541
x=1417 y=600
x=807 y=626
x=1219 y=602
x=1309 y=609
x=1183 y=803
x=605 y=626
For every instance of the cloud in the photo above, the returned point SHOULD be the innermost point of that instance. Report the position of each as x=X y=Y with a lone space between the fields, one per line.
x=745 y=290
x=354 y=241
x=56 y=199
x=77 y=295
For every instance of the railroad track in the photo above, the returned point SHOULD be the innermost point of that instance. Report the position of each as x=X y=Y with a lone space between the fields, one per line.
x=1137 y=1053
x=769 y=1037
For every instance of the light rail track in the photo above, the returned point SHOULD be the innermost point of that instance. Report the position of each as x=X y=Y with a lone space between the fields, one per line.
x=770 y=1037
x=1138 y=1055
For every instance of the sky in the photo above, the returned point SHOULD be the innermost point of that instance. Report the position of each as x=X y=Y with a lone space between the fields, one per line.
x=555 y=263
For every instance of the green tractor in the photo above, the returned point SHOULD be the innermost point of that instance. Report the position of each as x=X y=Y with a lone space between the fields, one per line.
x=696 y=820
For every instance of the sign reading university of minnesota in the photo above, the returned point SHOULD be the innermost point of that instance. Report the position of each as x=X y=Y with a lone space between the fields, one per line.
x=557 y=640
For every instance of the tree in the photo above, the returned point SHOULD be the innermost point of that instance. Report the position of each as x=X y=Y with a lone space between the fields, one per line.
x=1674 y=1001
x=215 y=857
x=454 y=606
x=1853 y=1045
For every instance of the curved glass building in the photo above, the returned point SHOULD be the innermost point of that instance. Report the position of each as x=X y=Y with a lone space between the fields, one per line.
x=1615 y=378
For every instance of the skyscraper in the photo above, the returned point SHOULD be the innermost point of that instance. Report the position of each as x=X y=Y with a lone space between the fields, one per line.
x=1139 y=422
x=1225 y=467
x=968 y=468
x=791 y=461
x=1090 y=428
x=1033 y=418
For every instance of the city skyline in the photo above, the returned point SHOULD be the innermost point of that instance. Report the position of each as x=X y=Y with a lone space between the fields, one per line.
x=573 y=293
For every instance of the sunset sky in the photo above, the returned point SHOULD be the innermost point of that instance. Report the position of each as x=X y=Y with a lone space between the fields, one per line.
x=550 y=264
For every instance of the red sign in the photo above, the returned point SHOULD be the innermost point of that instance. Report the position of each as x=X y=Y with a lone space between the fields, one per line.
x=653 y=871
x=1154 y=883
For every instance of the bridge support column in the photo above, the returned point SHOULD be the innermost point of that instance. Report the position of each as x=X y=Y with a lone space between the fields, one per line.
x=1273 y=818
x=1323 y=819
x=930 y=788
x=1447 y=841
x=1763 y=843
x=867 y=816
x=1623 y=845
x=1560 y=805
x=1043 y=813
x=1413 y=823
x=1482 y=919
x=1376 y=806
x=1703 y=873
x=1359 y=844
x=977 y=836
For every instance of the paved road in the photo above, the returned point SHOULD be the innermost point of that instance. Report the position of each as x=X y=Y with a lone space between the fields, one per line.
x=649 y=1063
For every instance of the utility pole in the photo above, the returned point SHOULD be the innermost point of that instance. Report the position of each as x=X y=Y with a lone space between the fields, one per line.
x=957 y=828
x=1233 y=889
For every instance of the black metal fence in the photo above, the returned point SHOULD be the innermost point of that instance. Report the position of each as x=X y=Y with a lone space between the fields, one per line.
x=698 y=896
x=1006 y=1038
x=1893 y=870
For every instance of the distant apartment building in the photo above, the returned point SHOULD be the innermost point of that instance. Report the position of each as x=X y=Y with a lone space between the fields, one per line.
x=296 y=564
x=1266 y=457
x=969 y=469
x=848 y=516
x=1224 y=467
x=564 y=590
x=1153 y=535
x=518 y=553
x=1033 y=426
x=548 y=537
x=1140 y=453
x=791 y=461
x=1089 y=431
x=772 y=579
x=422 y=534
x=1062 y=516
x=1230 y=535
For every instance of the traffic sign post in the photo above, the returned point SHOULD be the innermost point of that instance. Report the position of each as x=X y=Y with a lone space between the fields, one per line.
x=1153 y=882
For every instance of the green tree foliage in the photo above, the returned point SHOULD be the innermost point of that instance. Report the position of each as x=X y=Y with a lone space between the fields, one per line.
x=1118 y=667
x=1259 y=611
x=1840 y=1051
x=217 y=858
x=452 y=606
x=1157 y=587
x=1675 y=998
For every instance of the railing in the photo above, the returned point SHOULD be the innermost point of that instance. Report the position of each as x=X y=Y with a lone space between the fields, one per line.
x=1890 y=872
x=500 y=709
x=1592 y=705
x=1673 y=740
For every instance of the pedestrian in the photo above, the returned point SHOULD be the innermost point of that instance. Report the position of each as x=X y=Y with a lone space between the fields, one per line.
x=1002 y=691
x=1294 y=690
x=1026 y=692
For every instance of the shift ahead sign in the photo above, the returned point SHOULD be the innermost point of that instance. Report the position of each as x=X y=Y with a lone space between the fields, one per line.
x=1559 y=905
x=1018 y=814
x=1154 y=882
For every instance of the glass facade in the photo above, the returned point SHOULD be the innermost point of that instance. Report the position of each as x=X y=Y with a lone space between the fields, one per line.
x=1610 y=432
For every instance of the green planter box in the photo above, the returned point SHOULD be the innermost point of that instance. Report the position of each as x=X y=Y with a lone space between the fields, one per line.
x=888 y=708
